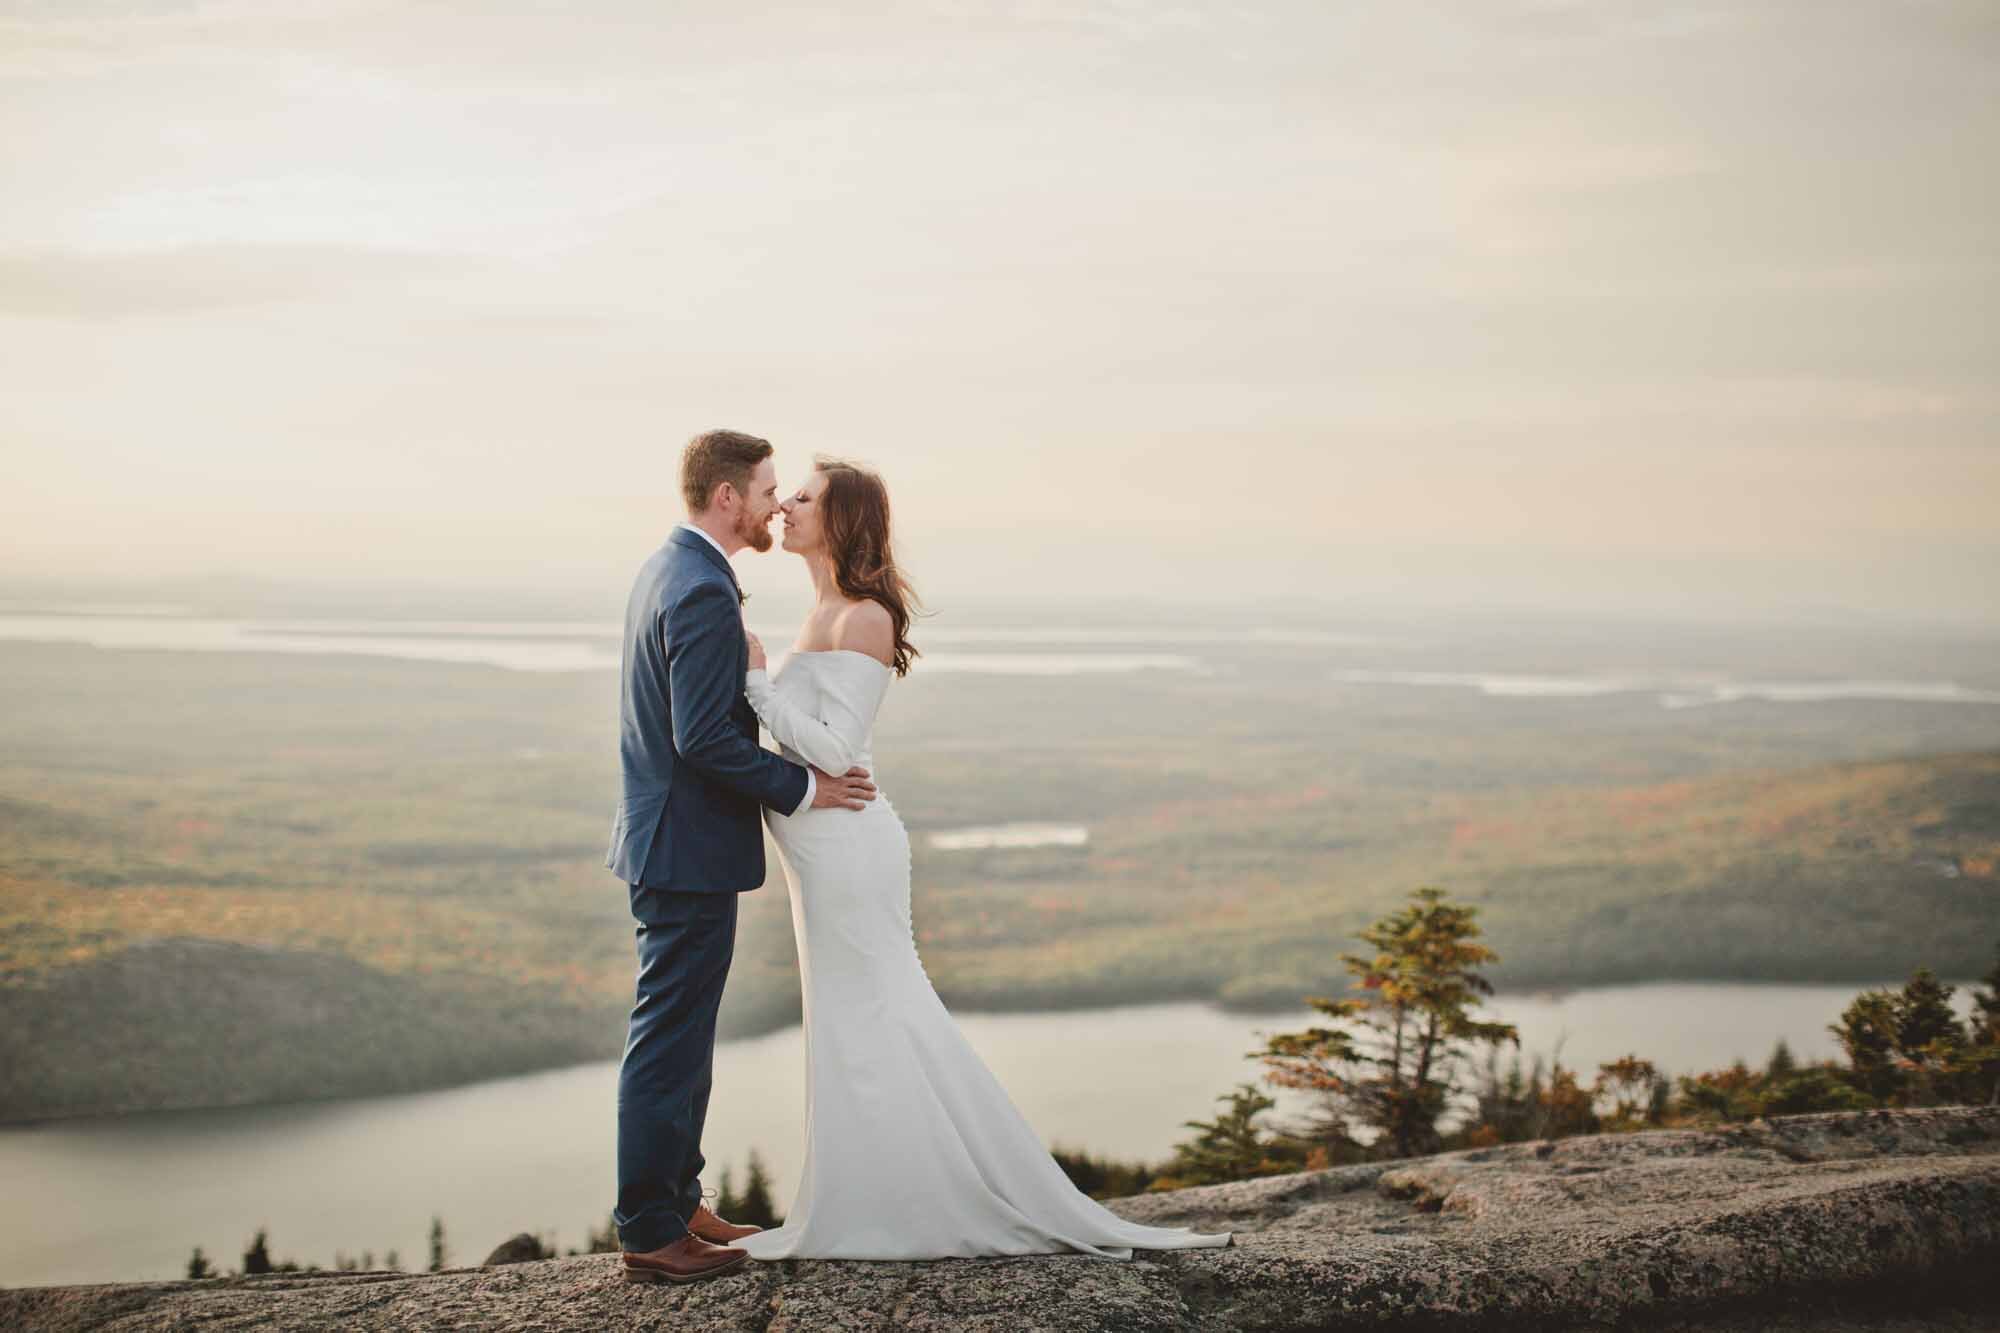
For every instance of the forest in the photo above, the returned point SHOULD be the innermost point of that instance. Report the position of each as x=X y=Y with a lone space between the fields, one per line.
x=1404 y=1066
x=240 y=878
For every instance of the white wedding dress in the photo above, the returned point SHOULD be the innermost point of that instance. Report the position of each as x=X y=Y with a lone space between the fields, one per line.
x=913 y=1150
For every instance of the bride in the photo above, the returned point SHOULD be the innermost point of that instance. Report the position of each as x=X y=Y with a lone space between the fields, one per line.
x=913 y=1150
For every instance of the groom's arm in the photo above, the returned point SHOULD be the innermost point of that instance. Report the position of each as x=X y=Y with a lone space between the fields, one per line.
x=703 y=642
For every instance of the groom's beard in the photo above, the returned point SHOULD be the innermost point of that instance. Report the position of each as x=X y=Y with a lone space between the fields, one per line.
x=755 y=534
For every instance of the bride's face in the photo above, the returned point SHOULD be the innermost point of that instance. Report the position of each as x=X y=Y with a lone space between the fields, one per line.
x=802 y=527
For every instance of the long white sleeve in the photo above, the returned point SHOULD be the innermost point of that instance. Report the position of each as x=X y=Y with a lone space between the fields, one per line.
x=832 y=745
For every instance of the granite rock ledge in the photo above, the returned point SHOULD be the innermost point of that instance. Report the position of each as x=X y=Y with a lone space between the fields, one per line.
x=1840 y=1221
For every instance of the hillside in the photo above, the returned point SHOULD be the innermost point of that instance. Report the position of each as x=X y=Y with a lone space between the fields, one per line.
x=408 y=856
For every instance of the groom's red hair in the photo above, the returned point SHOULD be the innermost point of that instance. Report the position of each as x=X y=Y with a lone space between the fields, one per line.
x=714 y=457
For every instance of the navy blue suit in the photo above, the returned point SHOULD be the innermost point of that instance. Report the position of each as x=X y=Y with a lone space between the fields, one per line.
x=687 y=838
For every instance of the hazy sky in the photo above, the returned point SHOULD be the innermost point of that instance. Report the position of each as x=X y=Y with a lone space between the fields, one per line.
x=1605 y=303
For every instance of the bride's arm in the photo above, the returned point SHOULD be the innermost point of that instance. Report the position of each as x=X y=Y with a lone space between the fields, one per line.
x=829 y=748
x=831 y=744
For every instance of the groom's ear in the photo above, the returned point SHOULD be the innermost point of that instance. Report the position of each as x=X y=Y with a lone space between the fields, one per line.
x=715 y=496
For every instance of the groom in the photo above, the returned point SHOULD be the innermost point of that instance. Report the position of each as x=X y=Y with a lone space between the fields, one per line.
x=687 y=839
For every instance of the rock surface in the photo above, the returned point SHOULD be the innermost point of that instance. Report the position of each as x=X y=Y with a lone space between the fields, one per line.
x=520 y=1248
x=1842 y=1221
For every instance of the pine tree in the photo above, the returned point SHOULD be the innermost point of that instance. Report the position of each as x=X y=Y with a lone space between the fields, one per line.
x=1507 y=1105
x=391 y=1262
x=439 y=1256
x=727 y=1205
x=1231 y=1146
x=1389 y=1058
x=257 y=1259
x=1660 y=1102
x=1986 y=1007
x=1816 y=1088
x=1101 y=1177
x=199 y=1267
x=1867 y=1032
x=1979 y=1074
x=1925 y=1022
x=756 y=1207
x=1782 y=1063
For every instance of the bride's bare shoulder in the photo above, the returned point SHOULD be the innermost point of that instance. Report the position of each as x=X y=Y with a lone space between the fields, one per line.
x=865 y=627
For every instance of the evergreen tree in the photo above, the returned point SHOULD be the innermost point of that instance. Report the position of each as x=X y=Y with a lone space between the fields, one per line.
x=199 y=1267
x=1986 y=1007
x=726 y=1203
x=1929 y=1038
x=1660 y=1103
x=257 y=1259
x=391 y=1262
x=1867 y=1031
x=1782 y=1063
x=1102 y=1178
x=1389 y=1058
x=1231 y=1146
x=439 y=1256
x=1908 y=1047
x=756 y=1207
x=1503 y=1108
x=1814 y=1088
x=1980 y=1074
x=1925 y=1022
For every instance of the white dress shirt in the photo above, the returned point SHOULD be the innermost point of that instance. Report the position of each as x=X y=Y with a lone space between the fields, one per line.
x=812 y=783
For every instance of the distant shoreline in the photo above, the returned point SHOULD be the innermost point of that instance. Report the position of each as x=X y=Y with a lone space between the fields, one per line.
x=759 y=1031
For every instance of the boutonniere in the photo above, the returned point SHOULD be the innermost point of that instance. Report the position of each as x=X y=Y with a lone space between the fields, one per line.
x=742 y=597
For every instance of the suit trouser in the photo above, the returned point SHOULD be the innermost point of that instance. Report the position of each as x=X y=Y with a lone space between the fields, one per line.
x=669 y=1064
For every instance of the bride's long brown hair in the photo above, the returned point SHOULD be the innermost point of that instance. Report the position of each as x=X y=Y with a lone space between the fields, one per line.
x=854 y=522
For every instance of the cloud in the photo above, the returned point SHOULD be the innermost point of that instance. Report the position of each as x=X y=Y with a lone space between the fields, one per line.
x=1100 y=242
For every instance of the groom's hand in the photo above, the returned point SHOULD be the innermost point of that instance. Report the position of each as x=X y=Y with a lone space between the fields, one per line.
x=851 y=790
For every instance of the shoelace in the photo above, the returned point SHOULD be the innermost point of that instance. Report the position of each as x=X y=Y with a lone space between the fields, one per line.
x=706 y=1195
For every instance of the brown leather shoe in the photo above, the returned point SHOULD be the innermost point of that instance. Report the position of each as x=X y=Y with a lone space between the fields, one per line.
x=689 y=1259
x=713 y=1229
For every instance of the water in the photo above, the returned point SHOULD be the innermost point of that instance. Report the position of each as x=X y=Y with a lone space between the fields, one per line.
x=1677 y=691
x=561 y=645
x=529 y=645
x=1010 y=837
x=126 y=1198
x=516 y=645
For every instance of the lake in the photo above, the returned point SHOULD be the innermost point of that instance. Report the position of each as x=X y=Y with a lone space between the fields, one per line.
x=545 y=645
x=581 y=645
x=127 y=1198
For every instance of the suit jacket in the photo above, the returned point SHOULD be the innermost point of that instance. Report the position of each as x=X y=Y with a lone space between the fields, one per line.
x=693 y=772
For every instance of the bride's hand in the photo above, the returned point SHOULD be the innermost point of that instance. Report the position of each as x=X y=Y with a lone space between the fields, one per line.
x=756 y=650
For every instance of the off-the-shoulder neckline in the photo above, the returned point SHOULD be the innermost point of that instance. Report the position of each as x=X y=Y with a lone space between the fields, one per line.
x=852 y=652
